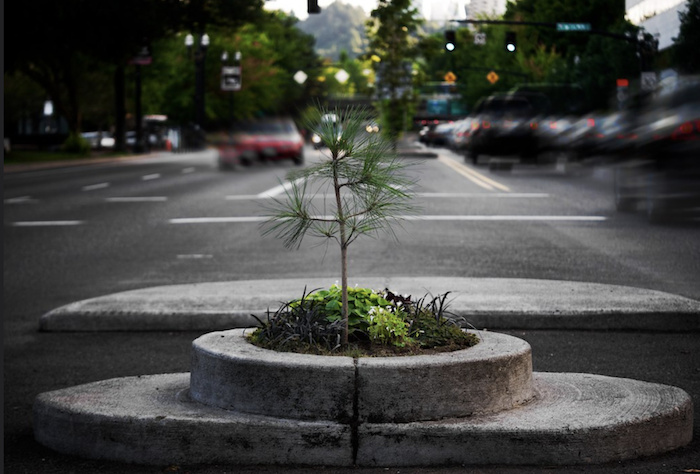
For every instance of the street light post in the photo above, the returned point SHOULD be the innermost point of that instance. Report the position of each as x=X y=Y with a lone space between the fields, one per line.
x=199 y=94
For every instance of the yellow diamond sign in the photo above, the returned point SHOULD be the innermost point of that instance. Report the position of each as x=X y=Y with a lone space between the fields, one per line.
x=492 y=77
x=450 y=77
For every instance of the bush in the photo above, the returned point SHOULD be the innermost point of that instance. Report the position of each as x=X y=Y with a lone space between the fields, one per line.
x=76 y=144
x=381 y=323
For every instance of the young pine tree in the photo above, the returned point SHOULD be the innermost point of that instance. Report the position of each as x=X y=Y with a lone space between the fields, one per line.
x=369 y=189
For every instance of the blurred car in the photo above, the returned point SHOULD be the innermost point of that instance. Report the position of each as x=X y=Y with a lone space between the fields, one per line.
x=461 y=133
x=660 y=166
x=327 y=120
x=506 y=124
x=260 y=140
x=99 y=140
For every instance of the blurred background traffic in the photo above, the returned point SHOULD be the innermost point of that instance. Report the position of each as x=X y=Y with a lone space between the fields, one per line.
x=605 y=82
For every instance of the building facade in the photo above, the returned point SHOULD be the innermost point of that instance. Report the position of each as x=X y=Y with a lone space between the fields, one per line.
x=657 y=17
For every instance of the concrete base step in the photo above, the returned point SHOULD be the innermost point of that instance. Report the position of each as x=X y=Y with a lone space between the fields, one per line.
x=574 y=419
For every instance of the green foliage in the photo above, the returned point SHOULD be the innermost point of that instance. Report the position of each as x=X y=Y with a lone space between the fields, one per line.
x=75 y=143
x=392 y=39
x=383 y=323
x=387 y=327
x=685 y=49
x=360 y=301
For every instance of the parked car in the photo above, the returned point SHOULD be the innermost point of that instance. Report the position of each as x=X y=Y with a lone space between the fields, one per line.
x=99 y=140
x=506 y=124
x=659 y=166
x=259 y=140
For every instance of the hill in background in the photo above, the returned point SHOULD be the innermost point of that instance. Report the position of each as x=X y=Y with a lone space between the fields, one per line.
x=339 y=27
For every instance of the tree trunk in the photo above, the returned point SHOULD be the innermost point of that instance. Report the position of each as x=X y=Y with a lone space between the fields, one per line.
x=343 y=257
x=119 y=108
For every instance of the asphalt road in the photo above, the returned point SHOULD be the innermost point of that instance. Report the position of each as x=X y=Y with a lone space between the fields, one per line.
x=80 y=232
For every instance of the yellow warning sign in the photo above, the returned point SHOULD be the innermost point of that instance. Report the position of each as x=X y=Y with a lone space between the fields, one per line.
x=492 y=77
x=450 y=77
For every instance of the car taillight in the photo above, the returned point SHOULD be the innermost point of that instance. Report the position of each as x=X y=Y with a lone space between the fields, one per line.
x=534 y=125
x=686 y=131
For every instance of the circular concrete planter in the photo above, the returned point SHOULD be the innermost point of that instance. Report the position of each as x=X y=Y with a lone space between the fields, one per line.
x=229 y=372
x=246 y=405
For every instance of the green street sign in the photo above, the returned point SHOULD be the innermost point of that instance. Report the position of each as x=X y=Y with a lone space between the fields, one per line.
x=573 y=27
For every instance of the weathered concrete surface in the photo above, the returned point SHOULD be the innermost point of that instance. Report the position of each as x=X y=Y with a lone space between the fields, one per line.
x=492 y=376
x=228 y=372
x=493 y=303
x=576 y=419
x=151 y=420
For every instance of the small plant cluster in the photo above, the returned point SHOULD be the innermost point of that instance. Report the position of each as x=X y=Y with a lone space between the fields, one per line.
x=380 y=323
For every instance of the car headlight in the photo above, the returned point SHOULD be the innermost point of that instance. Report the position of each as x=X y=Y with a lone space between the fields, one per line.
x=315 y=138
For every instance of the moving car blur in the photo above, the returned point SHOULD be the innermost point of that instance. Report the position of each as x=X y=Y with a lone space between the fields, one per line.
x=261 y=140
x=657 y=151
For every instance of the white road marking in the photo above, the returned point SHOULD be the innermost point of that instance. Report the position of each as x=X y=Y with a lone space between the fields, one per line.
x=217 y=220
x=277 y=190
x=243 y=197
x=45 y=223
x=92 y=187
x=137 y=199
x=187 y=170
x=20 y=200
x=483 y=195
x=504 y=218
x=149 y=177
x=445 y=218
x=194 y=256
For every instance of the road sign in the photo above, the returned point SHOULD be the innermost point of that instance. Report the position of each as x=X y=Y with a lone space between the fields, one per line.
x=231 y=78
x=450 y=77
x=573 y=27
x=648 y=81
x=480 y=38
x=492 y=77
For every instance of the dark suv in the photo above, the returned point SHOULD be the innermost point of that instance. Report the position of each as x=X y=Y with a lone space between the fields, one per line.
x=507 y=125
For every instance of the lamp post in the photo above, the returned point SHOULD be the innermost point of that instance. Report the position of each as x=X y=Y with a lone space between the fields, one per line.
x=230 y=80
x=200 y=53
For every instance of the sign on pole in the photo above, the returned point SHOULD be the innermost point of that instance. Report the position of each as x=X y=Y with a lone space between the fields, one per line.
x=492 y=77
x=573 y=27
x=231 y=78
x=480 y=38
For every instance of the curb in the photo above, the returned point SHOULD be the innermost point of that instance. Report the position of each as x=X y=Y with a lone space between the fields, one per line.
x=491 y=303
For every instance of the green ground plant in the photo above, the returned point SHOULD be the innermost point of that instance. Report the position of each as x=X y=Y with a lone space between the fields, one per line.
x=384 y=323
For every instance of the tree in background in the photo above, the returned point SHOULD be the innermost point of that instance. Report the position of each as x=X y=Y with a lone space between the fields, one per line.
x=390 y=31
x=685 y=49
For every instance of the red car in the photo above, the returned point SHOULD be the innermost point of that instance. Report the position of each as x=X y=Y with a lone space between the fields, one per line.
x=260 y=140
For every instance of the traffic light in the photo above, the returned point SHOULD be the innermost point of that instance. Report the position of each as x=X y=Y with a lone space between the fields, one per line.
x=313 y=6
x=450 y=40
x=510 y=42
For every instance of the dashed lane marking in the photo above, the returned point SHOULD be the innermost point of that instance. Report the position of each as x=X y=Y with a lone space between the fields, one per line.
x=45 y=223
x=93 y=187
x=137 y=199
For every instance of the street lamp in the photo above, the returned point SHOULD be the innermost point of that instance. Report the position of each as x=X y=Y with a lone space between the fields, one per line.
x=199 y=57
x=231 y=80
